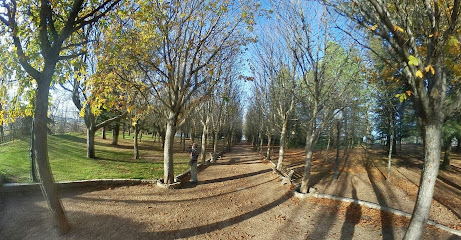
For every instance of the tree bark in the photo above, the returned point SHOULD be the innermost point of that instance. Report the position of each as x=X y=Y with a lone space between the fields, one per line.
x=215 y=142
x=41 y=153
x=2 y=133
x=168 y=172
x=33 y=169
x=183 y=141
x=268 y=152
x=446 y=157
x=136 y=133
x=283 y=139
x=432 y=134
x=90 y=150
x=307 y=163
x=90 y=122
x=327 y=150
x=261 y=142
x=389 y=155
x=115 y=133
x=104 y=132
x=338 y=141
x=204 y=139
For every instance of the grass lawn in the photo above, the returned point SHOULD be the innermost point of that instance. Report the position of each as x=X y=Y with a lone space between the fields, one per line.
x=67 y=154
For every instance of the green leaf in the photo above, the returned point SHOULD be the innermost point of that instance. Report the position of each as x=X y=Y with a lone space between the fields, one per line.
x=401 y=96
x=453 y=42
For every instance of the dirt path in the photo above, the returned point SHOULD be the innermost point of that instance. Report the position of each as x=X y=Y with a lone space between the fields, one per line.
x=238 y=198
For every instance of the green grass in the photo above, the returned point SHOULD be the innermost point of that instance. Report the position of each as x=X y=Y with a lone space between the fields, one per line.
x=67 y=154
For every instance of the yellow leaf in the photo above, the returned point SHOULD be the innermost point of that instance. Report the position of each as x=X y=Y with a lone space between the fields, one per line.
x=408 y=92
x=397 y=28
x=430 y=68
x=374 y=27
x=431 y=35
x=419 y=74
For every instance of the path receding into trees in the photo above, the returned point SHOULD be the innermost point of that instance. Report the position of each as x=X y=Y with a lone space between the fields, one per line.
x=237 y=198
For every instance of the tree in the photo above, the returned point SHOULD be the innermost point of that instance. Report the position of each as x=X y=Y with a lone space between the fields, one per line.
x=178 y=42
x=451 y=129
x=277 y=69
x=423 y=39
x=325 y=70
x=50 y=30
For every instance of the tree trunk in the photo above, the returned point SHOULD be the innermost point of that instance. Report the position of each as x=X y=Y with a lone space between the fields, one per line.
x=41 y=154
x=90 y=150
x=204 y=140
x=115 y=133
x=308 y=160
x=432 y=135
x=162 y=135
x=389 y=155
x=11 y=132
x=268 y=152
x=90 y=122
x=215 y=142
x=327 y=150
x=183 y=141
x=261 y=142
x=104 y=132
x=33 y=169
x=123 y=132
x=446 y=157
x=136 y=133
x=458 y=144
x=338 y=141
x=283 y=139
x=168 y=172
x=2 y=134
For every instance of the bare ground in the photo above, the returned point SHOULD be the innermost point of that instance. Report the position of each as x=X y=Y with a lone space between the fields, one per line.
x=238 y=198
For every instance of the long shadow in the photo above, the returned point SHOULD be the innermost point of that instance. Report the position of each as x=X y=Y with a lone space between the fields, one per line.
x=455 y=212
x=131 y=201
x=130 y=161
x=353 y=215
x=447 y=181
x=320 y=233
x=194 y=231
x=346 y=158
x=386 y=218
x=235 y=177
x=71 y=138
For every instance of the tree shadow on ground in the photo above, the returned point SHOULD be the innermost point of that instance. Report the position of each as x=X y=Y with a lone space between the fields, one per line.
x=87 y=226
x=386 y=218
x=353 y=215
x=321 y=233
x=193 y=231
x=216 y=180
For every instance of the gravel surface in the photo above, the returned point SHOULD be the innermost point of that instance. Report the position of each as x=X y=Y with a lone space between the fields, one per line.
x=237 y=198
